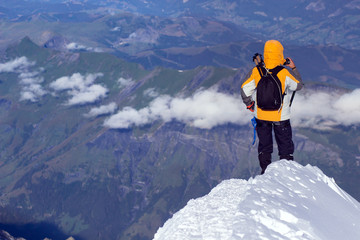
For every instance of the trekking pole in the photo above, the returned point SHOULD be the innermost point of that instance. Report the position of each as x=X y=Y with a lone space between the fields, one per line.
x=259 y=62
x=292 y=98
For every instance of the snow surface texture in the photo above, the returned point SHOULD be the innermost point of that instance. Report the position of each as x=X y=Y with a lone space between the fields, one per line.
x=289 y=201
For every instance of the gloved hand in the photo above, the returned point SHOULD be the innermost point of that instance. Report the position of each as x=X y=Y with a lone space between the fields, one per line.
x=290 y=63
x=251 y=106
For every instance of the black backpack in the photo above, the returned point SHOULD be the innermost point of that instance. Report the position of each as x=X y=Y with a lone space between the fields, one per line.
x=269 y=96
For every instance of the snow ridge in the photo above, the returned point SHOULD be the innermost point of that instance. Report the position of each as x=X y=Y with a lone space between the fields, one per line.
x=289 y=201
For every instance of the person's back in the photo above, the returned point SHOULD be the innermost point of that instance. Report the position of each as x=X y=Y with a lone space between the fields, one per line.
x=278 y=119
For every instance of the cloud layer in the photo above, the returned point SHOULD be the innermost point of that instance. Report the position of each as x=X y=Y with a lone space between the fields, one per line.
x=102 y=110
x=15 y=65
x=79 y=47
x=209 y=108
x=81 y=88
x=30 y=81
x=206 y=109
x=124 y=82
x=32 y=90
x=326 y=109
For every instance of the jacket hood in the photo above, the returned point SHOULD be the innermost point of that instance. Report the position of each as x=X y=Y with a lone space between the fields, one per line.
x=273 y=54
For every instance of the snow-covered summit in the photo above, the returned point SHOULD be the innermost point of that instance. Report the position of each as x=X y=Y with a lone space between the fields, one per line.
x=289 y=201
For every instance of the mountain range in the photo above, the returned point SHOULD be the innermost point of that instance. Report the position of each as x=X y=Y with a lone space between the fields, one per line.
x=116 y=113
x=186 y=41
x=62 y=164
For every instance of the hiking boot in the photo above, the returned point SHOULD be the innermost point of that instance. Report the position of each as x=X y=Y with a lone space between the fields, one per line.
x=265 y=160
x=289 y=157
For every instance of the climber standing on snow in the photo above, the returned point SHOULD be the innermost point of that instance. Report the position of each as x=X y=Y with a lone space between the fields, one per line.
x=268 y=90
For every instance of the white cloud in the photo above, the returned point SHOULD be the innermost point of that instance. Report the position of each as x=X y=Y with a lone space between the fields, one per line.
x=30 y=81
x=151 y=92
x=128 y=117
x=326 y=109
x=316 y=6
x=209 y=108
x=124 y=82
x=260 y=13
x=75 y=81
x=102 y=110
x=79 y=47
x=115 y=29
x=15 y=65
x=81 y=88
x=32 y=92
x=28 y=74
x=88 y=95
x=205 y=109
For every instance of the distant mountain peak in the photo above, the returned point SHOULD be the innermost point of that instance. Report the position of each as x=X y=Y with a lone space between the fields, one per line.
x=53 y=40
x=289 y=201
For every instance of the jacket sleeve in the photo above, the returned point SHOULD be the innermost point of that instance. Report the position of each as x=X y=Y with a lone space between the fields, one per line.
x=293 y=80
x=248 y=87
x=297 y=75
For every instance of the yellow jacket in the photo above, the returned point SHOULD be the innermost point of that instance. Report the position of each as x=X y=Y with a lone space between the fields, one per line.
x=290 y=81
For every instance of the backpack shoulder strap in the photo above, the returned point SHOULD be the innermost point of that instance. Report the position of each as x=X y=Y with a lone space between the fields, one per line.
x=276 y=70
x=274 y=73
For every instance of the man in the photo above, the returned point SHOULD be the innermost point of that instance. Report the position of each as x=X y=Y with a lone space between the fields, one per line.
x=278 y=119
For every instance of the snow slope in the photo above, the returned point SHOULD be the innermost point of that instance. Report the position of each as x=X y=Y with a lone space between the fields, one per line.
x=289 y=201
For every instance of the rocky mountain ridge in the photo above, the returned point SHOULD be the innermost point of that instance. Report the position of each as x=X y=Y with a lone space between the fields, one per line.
x=66 y=172
x=301 y=22
x=63 y=167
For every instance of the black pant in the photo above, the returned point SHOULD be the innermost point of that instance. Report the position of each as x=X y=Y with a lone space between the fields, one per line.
x=283 y=137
